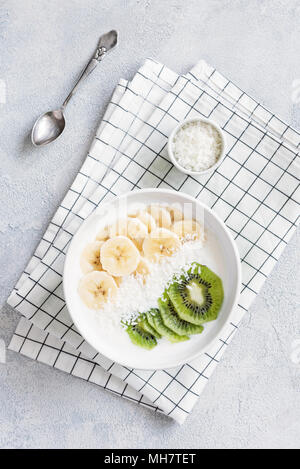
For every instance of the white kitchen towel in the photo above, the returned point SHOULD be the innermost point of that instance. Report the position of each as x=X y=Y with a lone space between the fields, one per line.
x=255 y=191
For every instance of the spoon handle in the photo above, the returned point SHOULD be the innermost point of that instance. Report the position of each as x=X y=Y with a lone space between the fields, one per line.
x=106 y=42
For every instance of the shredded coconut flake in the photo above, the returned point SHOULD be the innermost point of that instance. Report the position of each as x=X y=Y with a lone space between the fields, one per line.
x=135 y=296
x=197 y=146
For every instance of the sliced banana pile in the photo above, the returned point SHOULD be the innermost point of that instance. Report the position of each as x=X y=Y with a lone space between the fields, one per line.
x=129 y=246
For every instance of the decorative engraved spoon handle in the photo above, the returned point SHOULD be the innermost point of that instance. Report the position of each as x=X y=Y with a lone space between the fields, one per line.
x=106 y=43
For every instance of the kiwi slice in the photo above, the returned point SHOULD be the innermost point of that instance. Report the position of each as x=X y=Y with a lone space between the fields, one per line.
x=144 y=323
x=197 y=296
x=156 y=321
x=173 y=321
x=140 y=337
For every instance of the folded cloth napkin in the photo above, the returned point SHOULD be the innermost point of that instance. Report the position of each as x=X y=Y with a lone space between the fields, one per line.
x=255 y=191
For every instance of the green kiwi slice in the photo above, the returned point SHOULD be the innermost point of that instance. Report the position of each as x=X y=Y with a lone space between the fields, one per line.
x=144 y=323
x=197 y=296
x=156 y=321
x=140 y=337
x=173 y=321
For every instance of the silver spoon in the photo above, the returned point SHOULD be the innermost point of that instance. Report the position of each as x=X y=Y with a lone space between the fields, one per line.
x=50 y=125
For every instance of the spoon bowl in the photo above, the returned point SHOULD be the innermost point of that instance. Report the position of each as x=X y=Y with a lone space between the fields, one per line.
x=48 y=127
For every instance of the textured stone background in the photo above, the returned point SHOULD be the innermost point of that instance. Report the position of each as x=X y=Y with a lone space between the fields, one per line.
x=252 y=401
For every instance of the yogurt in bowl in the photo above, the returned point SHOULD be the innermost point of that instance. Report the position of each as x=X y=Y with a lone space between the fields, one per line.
x=196 y=146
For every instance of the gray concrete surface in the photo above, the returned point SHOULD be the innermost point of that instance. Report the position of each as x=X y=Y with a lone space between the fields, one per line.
x=252 y=401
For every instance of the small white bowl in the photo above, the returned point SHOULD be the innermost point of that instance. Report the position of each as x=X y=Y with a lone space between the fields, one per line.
x=182 y=168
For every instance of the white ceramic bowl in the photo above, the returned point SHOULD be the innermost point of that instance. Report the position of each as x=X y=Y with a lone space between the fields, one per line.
x=182 y=168
x=220 y=254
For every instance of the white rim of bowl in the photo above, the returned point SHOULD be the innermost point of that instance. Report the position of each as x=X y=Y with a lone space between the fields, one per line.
x=236 y=293
x=178 y=127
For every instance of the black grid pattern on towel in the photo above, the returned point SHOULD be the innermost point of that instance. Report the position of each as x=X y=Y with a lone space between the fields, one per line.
x=41 y=346
x=255 y=191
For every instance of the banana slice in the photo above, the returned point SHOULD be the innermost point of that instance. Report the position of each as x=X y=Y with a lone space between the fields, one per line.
x=132 y=214
x=119 y=228
x=147 y=219
x=119 y=256
x=161 y=215
x=96 y=288
x=90 y=257
x=175 y=212
x=103 y=234
x=133 y=228
x=143 y=267
x=137 y=231
x=118 y=280
x=187 y=230
x=161 y=242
